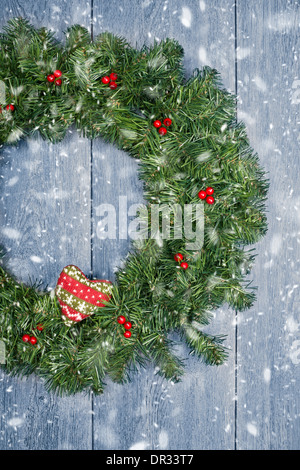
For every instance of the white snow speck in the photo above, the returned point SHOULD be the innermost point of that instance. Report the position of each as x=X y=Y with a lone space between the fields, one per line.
x=163 y=440
x=267 y=375
x=12 y=181
x=2 y=92
x=276 y=243
x=291 y=325
x=186 y=17
x=260 y=83
x=202 y=5
x=296 y=93
x=15 y=135
x=55 y=9
x=228 y=427
x=11 y=233
x=142 y=445
x=52 y=293
x=249 y=120
x=146 y=3
x=36 y=259
x=242 y=52
x=295 y=352
x=202 y=55
x=204 y=156
x=15 y=422
x=282 y=21
x=252 y=429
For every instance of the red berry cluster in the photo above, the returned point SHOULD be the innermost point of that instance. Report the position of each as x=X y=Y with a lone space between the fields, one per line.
x=207 y=195
x=161 y=129
x=183 y=264
x=127 y=325
x=55 y=77
x=111 y=80
x=32 y=339
x=9 y=107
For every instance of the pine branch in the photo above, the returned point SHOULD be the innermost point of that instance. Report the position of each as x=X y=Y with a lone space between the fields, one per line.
x=157 y=347
x=209 y=348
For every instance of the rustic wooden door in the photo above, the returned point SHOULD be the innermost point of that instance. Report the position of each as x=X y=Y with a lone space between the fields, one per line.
x=49 y=200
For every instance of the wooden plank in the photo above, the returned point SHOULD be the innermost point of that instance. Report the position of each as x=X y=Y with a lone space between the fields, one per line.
x=268 y=337
x=151 y=413
x=46 y=207
x=45 y=222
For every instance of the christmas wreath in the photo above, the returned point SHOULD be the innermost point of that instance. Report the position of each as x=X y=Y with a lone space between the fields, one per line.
x=191 y=151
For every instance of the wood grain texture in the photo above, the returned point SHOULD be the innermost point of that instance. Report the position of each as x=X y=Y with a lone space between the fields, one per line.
x=268 y=335
x=159 y=415
x=45 y=224
x=45 y=202
x=47 y=217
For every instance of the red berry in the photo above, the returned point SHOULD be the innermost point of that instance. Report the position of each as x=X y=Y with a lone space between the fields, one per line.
x=113 y=76
x=10 y=107
x=128 y=325
x=162 y=131
x=0 y=109
x=184 y=265
x=39 y=327
x=33 y=340
x=157 y=123
x=58 y=82
x=127 y=334
x=121 y=319
x=210 y=200
x=167 y=122
x=178 y=257
x=113 y=85
x=50 y=78
x=26 y=338
x=105 y=80
x=57 y=73
x=209 y=191
x=202 y=194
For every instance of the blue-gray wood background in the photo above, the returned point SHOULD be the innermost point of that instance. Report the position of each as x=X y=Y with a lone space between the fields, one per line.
x=48 y=216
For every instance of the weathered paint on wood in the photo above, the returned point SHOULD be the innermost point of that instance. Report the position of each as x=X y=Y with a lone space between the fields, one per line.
x=50 y=197
x=162 y=415
x=268 y=336
x=45 y=210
